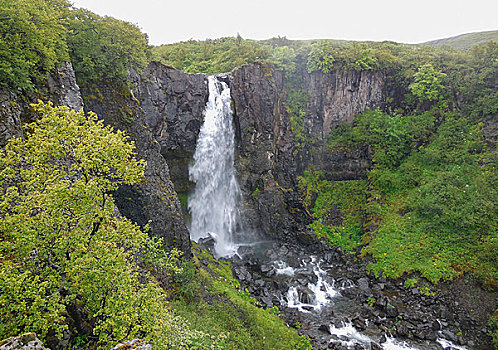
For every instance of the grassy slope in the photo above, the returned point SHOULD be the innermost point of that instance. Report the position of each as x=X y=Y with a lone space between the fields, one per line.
x=213 y=302
x=465 y=41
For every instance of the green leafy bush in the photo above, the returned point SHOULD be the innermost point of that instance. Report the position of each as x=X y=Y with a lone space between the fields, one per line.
x=321 y=57
x=33 y=41
x=327 y=201
x=214 y=56
x=63 y=244
x=427 y=85
x=104 y=48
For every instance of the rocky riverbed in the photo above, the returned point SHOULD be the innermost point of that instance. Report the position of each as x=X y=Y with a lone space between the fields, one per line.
x=332 y=299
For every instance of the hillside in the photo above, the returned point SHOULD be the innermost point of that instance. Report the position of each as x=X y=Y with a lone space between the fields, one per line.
x=465 y=41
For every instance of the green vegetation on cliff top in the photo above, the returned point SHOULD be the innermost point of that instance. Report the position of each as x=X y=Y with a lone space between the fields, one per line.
x=39 y=34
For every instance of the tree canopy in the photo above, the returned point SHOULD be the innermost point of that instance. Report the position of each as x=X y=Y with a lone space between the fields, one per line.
x=64 y=245
x=104 y=47
x=32 y=40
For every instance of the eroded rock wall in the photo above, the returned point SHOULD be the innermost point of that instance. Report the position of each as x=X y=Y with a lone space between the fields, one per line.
x=339 y=96
x=268 y=160
x=61 y=89
x=335 y=98
x=173 y=103
x=265 y=150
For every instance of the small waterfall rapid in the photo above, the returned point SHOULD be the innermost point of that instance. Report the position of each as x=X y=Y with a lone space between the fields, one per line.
x=213 y=204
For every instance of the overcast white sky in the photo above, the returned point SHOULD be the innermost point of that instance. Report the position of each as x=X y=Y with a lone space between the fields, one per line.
x=412 y=21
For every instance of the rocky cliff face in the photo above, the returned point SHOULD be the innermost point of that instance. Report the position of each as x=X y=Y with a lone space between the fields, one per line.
x=267 y=160
x=338 y=96
x=265 y=151
x=61 y=89
x=154 y=200
x=163 y=115
x=335 y=98
x=173 y=103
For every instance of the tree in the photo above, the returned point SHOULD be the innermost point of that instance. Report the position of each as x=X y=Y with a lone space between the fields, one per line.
x=104 y=47
x=63 y=243
x=320 y=57
x=33 y=40
x=283 y=57
x=427 y=85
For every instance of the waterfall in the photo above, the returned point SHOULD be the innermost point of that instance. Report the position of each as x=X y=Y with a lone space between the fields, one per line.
x=213 y=204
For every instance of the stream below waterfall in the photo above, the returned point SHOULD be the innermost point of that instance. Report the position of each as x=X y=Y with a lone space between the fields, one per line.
x=315 y=290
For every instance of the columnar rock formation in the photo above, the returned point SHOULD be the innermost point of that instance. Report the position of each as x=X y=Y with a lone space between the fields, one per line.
x=173 y=103
x=154 y=200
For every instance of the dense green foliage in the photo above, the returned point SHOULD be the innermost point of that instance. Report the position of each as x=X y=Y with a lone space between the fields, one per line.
x=430 y=203
x=212 y=56
x=63 y=245
x=321 y=57
x=39 y=34
x=338 y=209
x=427 y=84
x=296 y=107
x=104 y=47
x=493 y=325
x=225 y=54
x=32 y=40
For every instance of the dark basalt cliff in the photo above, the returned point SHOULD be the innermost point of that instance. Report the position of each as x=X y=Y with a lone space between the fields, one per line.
x=267 y=159
x=154 y=200
x=265 y=151
x=339 y=96
x=60 y=88
x=173 y=103
x=335 y=98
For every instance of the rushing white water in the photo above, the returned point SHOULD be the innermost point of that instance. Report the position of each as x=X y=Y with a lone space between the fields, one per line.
x=281 y=268
x=348 y=331
x=213 y=204
x=354 y=337
x=446 y=344
x=320 y=293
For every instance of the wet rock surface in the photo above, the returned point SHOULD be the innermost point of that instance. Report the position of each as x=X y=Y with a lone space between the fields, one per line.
x=333 y=300
x=265 y=153
x=173 y=103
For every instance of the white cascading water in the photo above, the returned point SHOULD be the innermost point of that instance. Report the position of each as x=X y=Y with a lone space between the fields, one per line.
x=213 y=204
x=322 y=292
